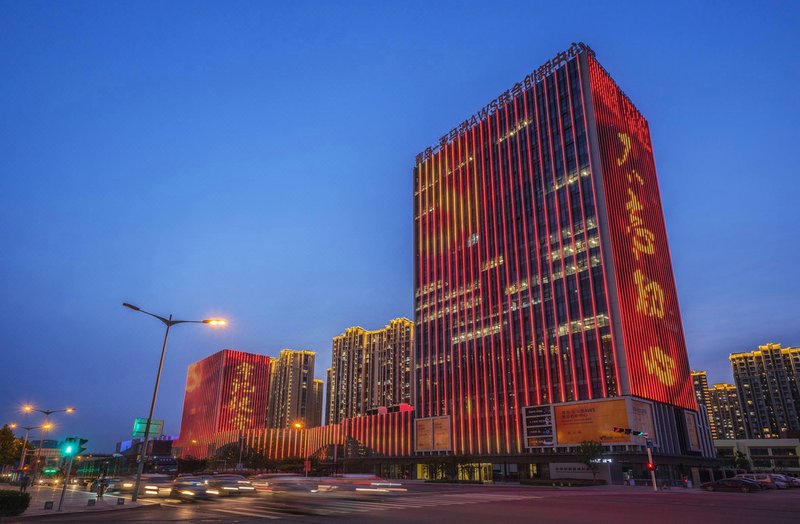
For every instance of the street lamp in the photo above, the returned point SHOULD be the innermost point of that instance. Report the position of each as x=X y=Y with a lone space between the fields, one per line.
x=27 y=408
x=214 y=322
x=25 y=443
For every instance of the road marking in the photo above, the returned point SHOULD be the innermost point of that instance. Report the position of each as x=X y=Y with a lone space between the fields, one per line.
x=246 y=513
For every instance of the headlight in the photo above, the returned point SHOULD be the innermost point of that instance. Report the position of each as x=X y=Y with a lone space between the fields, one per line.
x=211 y=491
x=127 y=484
x=187 y=492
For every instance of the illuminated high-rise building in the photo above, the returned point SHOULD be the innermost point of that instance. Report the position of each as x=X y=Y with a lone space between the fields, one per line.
x=370 y=370
x=700 y=383
x=314 y=411
x=226 y=391
x=543 y=275
x=726 y=413
x=768 y=383
x=291 y=393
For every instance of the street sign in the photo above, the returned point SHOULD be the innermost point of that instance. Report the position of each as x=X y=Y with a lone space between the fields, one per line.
x=649 y=444
x=140 y=426
x=539 y=427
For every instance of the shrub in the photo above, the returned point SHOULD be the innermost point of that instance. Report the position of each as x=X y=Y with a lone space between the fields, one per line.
x=13 y=503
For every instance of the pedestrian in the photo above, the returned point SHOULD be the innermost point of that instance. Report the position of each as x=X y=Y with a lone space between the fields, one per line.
x=101 y=487
x=24 y=481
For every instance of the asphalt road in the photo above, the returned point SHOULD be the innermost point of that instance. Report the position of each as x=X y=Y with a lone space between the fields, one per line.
x=490 y=504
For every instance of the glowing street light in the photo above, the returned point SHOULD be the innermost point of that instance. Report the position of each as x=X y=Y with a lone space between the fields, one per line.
x=25 y=442
x=27 y=408
x=213 y=322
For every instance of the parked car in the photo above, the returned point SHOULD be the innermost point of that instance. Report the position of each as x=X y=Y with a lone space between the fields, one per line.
x=790 y=481
x=732 y=484
x=767 y=480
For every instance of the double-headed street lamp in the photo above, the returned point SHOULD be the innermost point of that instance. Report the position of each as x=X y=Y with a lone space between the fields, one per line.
x=46 y=426
x=25 y=442
x=169 y=323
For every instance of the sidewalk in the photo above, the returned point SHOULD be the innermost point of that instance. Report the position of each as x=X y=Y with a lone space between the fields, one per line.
x=76 y=500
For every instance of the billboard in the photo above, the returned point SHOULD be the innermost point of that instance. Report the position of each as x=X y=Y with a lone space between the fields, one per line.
x=642 y=419
x=432 y=434
x=691 y=428
x=423 y=432
x=591 y=421
x=655 y=349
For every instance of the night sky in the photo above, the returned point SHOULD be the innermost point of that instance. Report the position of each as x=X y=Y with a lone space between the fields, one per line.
x=253 y=161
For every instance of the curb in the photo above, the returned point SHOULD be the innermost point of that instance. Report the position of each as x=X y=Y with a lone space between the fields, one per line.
x=21 y=518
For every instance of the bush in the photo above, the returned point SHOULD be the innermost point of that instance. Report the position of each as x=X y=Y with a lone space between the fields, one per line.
x=13 y=503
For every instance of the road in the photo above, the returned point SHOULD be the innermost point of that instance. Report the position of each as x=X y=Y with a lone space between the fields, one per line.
x=490 y=504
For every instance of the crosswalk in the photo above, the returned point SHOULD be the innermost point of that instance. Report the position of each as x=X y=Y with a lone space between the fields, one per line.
x=262 y=508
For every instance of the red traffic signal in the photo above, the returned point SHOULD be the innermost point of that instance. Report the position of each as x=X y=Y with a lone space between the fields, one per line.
x=651 y=466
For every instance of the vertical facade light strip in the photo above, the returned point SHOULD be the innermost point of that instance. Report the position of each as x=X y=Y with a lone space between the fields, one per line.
x=535 y=284
x=595 y=170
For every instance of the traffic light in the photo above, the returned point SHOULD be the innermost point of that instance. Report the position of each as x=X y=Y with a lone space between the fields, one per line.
x=637 y=433
x=651 y=466
x=619 y=430
x=73 y=446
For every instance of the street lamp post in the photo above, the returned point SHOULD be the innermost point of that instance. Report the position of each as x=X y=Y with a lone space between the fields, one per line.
x=44 y=427
x=169 y=323
x=24 y=444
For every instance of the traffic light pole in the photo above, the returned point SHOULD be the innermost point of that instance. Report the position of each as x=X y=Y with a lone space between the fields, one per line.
x=66 y=481
x=652 y=471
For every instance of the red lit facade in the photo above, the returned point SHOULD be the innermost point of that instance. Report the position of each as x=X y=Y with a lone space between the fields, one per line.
x=542 y=271
x=227 y=391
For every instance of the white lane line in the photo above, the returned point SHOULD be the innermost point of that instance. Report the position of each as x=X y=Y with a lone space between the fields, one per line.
x=245 y=513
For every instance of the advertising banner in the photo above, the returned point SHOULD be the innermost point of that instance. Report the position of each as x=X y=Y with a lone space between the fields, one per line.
x=591 y=421
x=642 y=418
x=653 y=341
x=691 y=428
x=423 y=430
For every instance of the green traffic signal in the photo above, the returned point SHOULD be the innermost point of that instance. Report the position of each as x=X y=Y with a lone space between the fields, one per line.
x=73 y=446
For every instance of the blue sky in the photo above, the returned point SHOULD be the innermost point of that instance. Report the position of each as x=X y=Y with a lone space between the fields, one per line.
x=253 y=160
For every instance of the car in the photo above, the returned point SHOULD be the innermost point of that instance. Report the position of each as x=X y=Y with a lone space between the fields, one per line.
x=156 y=486
x=191 y=487
x=49 y=481
x=789 y=481
x=767 y=480
x=150 y=485
x=230 y=484
x=732 y=484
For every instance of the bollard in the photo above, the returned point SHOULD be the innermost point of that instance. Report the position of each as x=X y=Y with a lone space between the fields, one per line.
x=48 y=504
x=120 y=501
x=91 y=502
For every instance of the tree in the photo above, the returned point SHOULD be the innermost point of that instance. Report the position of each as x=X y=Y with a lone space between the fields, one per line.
x=191 y=465
x=588 y=453
x=9 y=447
x=740 y=461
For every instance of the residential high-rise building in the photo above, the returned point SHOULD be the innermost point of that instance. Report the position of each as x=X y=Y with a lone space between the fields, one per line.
x=721 y=404
x=370 y=369
x=700 y=383
x=768 y=383
x=543 y=275
x=291 y=398
x=314 y=412
x=327 y=406
x=726 y=413
x=226 y=391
